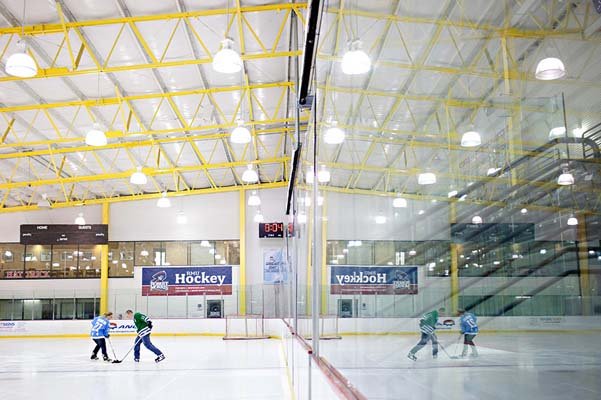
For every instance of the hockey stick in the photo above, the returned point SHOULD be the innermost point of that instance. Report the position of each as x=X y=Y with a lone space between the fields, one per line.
x=112 y=348
x=129 y=351
x=445 y=350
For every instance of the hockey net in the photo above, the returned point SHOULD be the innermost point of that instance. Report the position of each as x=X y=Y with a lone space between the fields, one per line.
x=328 y=327
x=245 y=327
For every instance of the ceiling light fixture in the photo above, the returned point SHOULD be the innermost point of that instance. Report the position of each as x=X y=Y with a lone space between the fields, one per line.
x=20 y=63
x=524 y=211
x=566 y=178
x=426 y=178
x=258 y=217
x=355 y=61
x=96 y=136
x=452 y=193
x=399 y=202
x=163 y=201
x=492 y=171
x=471 y=138
x=557 y=132
x=323 y=175
x=254 y=200
x=240 y=134
x=550 y=68
x=334 y=135
x=572 y=221
x=181 y=218
x=80 y=220
x=477 y=219
x=144 y=253
x=227 y=60
x=138 y=177
x=380 y=219
x=250 y=175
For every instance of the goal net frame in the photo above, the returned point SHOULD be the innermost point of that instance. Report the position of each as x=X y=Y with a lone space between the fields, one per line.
x=328 y=327
x=253 y=327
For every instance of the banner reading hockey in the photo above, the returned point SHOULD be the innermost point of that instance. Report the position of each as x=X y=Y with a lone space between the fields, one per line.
x=179 y=281
x=347 y=279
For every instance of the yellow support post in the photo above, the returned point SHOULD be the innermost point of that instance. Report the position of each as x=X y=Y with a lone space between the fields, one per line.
x=583 y=268
x=454 y=265
x=324 y=249
x=104 y=265
x=242 y=273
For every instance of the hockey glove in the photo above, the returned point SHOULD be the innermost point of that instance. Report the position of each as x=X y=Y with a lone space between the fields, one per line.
x=149 y=324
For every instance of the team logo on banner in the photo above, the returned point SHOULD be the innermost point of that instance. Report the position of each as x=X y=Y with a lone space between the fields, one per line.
x=346 y=279
x=181 y=281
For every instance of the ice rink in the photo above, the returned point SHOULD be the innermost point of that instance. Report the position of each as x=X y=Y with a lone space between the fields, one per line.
x=510 y=366
x=195 y=368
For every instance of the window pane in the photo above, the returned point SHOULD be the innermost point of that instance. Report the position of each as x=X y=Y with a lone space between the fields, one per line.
x=202 y=253
x=64 y=261
x=149 y=253
x=227 y=252
x=89 y=261
x=121 y=259
x=38 y=261
x=176 y=253
x=11 y=260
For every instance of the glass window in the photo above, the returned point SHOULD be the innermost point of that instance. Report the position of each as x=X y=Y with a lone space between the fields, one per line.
x=38 y=259
x=149 y=253
x=11 y=260
x=176 y=253
x=64 y=261
x=89 y=261
x=202 y=253
x=227 y=252
x=121 y=259
x=384 y=252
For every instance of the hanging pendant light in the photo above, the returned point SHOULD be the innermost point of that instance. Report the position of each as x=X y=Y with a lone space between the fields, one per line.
x=477 y=219
x=426 y=178
x=80 y=220
x=181 y=218
x=138 y=177
x=572 y=221
x=96 y=136
x=250 y=175
x=164 y=201
x=323 y=175
x=492 y=171
x=452 y=193
x=254 y=200
x=258 y=217
x=240 y=134
x=471 y=138
x=334 y=135
x=380 y=219
x=21 y=64
x=550 y=68
x=566 y=178
x=557 y=132
x=227 y=60
x=355 y=61
x=399 y=202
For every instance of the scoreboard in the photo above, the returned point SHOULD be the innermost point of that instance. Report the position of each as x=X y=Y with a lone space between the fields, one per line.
x=274 y=230
x=64 y=234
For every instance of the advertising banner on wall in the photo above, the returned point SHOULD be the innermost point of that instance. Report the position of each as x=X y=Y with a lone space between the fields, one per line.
x=181 y=281
x=359 y=279
x=275 y=269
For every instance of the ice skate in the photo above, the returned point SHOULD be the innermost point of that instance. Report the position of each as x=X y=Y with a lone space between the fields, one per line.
x=94 y=357
x=412 y=356
x=160 y=358
x=105 y=358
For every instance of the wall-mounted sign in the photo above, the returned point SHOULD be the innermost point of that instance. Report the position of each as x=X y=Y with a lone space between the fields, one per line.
x=19 y=274
x=182 y=281
x=359 y=279
x=275 y=268
x=64 y=234
x=273 y=230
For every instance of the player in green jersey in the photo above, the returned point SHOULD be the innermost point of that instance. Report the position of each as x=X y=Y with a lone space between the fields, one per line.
x=143 y=326
x=427 y=326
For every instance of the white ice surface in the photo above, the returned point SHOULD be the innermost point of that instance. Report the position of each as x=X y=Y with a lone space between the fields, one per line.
x=195 y=368
x=511 y=366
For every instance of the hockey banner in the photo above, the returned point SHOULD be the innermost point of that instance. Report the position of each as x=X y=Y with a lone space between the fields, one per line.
x=359 y=279
x=275 y=269
x=182 y=281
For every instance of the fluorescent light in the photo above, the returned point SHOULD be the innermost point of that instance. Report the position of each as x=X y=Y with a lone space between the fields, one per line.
x=572 y=221
x=524 y=211
x=355 y=61
x=399 y=202
x=80 y=220
x=471 y=139
x=138 y=177
x=258 y=217
x=181 y=218
x=250 y=175
x=557 y=132
x=334 y=135
x=96 y=136
x=549 y=69
x=21 y=64
x=477 y=219
x=240 y=134
x=164 y=201
x=227 y=60
x=426 y=178
x=323 y=175
x=254 y=200
x=380 y=219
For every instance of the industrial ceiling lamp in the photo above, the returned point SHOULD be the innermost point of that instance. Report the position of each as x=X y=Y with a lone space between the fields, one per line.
x=80 y=220
x=355 y=61
x=181 y=218
x=557 y=132
x=227 y=60
x=399 y=202
x=492 y=171
x=164 y=201
x=550 y=68
x=566 y=178
x=250 y=175
x=138 y=177
x=323 y=175
x=334 y=135
x=572 y=221
x=254 y=199
x=452 y=193
x=471 y=138
x=477 y=219
x=426 y=178
x=20 y=63
x=96 y=136
x=258 y=217
x=240 y=134
x=380 y=219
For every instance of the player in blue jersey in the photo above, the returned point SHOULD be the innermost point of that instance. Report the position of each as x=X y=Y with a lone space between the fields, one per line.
x=469 y=328
x=100 y=331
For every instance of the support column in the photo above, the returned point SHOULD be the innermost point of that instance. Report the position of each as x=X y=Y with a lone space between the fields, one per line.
x=324 y=250
x=242 y=272
x=104 y=265
x=454 y=272
x=583 y=268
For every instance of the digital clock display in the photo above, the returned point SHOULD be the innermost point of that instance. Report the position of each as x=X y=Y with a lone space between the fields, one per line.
x=273 y=229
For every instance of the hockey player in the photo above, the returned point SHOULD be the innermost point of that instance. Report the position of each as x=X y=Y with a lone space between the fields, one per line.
x=100 y=331
x=143 y=326
x=427 y=326
x=469 y=328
